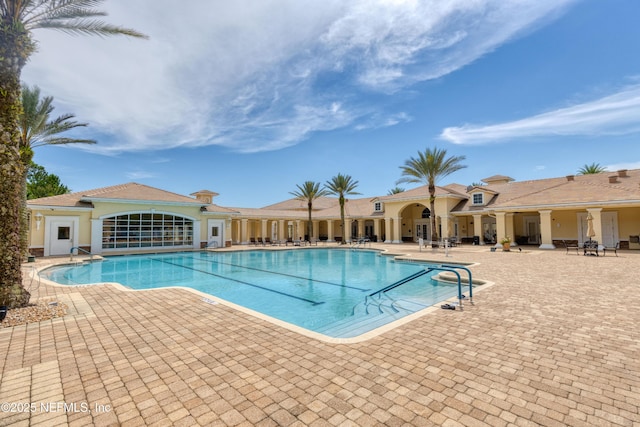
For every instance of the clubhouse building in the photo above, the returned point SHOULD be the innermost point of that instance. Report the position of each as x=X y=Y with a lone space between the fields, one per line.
x=545 y=213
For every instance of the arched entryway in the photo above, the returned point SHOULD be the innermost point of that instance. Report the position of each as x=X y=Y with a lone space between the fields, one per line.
x=415 y=223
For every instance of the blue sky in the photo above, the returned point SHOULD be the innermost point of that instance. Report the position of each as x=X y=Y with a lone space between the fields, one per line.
x=249 y=98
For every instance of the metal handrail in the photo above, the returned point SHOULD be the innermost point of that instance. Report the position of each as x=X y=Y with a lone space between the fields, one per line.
x=470 y=278
x=79 y=249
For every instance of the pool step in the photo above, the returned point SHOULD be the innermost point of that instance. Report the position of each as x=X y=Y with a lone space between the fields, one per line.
x=361 y=322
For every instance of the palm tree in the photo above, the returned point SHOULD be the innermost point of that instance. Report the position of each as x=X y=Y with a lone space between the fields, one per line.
x=591 y=169
x=341 y=185
x=395 y=190
x=18 y=18
x=36 y=129
x=428 y=168
x=309 y=191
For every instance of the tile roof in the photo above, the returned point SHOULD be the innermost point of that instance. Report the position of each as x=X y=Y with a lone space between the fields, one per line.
x=591 y=189
x=132 y=192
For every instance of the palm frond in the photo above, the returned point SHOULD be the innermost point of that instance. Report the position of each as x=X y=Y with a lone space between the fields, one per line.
x=70 y=16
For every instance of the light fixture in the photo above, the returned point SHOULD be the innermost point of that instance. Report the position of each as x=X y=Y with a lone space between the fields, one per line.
x=38 y=220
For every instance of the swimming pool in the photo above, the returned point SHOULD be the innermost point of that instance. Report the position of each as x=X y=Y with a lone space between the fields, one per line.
x=329 y=291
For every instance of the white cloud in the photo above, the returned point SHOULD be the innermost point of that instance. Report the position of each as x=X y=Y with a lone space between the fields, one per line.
x=264 y=75
x=620 y=166
x=615 y=114
x=140 y=175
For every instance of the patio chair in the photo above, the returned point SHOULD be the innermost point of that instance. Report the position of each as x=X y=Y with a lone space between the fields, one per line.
x=571 y=246
x=591 y=247
x=614 y=249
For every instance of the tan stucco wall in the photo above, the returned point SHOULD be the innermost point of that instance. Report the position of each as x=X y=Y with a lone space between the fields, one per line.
x=37 y=237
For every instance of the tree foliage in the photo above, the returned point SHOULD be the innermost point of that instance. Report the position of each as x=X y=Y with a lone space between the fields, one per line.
x=342 y=185
x=593 y=168
x=40 y=183
x=428 y=168
x=308 y=192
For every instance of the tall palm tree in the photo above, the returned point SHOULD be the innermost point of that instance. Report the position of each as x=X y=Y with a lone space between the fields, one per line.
x=18 y=18
x=593 y=168
x=309 y=191
x=428 y=168
x=342 y=185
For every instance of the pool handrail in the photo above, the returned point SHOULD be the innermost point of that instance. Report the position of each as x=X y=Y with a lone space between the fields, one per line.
x=456 y=266
x=79 y=249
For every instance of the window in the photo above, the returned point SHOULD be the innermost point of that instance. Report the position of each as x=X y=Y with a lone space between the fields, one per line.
x=64 y=233
x=478 y=199
x=143 y=230
x=426 y=213
x=377 y=206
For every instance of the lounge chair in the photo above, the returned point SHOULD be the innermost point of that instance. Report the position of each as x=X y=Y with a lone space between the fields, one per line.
x=259 y=241
x=267 y=241
x=252 y=241
x=614 y=249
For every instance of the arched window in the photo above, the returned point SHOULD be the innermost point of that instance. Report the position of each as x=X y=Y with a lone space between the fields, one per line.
x=426 y=213
x=143 y=230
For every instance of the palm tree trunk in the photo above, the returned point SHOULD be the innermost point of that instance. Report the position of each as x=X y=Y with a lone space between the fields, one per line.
x=344 y=232
x=432 y=206
x=12 y=293
x=309 y=225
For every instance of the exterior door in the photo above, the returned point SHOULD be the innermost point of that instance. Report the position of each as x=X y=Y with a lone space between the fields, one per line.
x=532 y=229
x=609 y=229
x=215 y=239
x=423 y=230
x=61 y=236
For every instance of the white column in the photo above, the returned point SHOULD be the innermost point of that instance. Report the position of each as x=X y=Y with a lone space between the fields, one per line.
x=546 y=231
x=387 y=229
x=477 y=228
x=243 y=231
x=96 y=236
x=510 y=228
x=197 y=238
x=282 y=230
x=397 y=232
x=501 y=227
x=346 y=233
x=376 y=229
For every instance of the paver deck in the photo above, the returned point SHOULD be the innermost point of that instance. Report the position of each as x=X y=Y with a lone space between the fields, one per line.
x=554 y=342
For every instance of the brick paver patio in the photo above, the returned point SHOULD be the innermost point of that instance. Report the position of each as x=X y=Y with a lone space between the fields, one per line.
x=554 y=342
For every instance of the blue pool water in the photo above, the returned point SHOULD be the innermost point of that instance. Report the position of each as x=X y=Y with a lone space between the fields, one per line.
x=323 y=290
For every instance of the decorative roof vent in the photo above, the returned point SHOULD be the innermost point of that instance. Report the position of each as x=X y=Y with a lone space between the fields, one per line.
x=622 y=173
x=570 y=177
x=613 y=179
